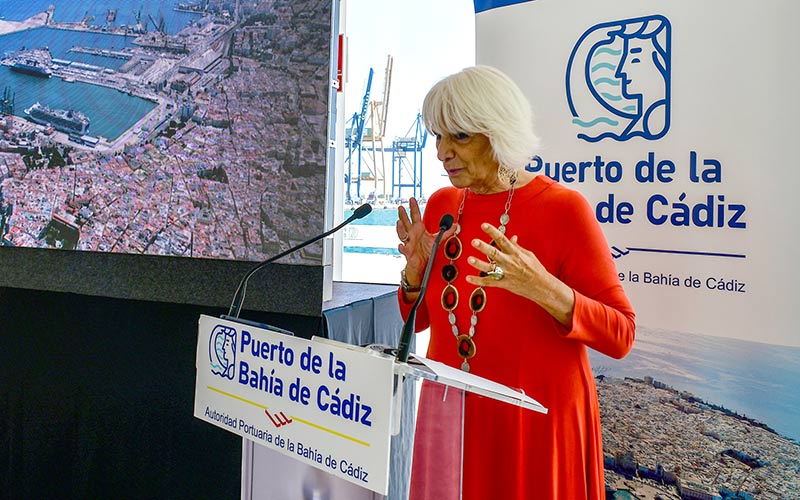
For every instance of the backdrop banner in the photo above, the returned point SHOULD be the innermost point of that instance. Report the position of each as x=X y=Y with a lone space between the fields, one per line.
x=675 y=120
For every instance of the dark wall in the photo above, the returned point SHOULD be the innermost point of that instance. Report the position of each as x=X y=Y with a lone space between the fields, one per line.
x=96 y=399
x=286 y=288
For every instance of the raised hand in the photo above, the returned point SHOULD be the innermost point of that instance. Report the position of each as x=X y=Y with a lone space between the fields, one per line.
x=415 y=240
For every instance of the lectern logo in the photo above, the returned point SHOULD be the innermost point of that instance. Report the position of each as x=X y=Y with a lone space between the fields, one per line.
x=618 y=80
x=222 y=351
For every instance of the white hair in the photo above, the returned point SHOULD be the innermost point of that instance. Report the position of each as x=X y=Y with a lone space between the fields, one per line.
x=483 y=100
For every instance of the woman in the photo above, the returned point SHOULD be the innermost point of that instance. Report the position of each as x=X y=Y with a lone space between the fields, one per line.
x=523 y=283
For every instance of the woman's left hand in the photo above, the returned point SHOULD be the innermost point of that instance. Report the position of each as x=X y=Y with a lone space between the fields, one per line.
x=519 y=271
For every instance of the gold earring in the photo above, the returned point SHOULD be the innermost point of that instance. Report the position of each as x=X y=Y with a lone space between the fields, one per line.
x=506 y=175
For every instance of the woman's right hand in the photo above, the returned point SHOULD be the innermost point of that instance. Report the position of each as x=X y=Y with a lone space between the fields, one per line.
x=416 y=241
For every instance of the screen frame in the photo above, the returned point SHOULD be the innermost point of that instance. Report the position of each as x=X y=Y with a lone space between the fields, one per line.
x=295 y=288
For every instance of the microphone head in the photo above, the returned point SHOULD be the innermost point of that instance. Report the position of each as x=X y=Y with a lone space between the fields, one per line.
x=445 y=222
x=362 y=211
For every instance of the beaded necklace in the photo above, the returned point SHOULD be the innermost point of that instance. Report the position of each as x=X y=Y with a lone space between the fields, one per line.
x=477 y=299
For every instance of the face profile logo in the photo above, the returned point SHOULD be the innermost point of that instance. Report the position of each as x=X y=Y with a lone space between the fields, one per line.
x=618 y=80
x=222 y=351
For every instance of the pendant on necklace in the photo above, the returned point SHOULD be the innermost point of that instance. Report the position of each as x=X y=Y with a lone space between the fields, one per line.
x=466 y=349
x=466 y=346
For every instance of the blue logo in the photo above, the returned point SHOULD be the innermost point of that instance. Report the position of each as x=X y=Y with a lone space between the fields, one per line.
x=222 y=351
x=618 y=80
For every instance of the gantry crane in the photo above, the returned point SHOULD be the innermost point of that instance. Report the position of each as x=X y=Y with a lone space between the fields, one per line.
x=364 y=139
x=353 y=137
x=407 y=160
x=7 y=103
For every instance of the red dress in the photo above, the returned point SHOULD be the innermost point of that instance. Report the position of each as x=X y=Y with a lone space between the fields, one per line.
x=511 y=452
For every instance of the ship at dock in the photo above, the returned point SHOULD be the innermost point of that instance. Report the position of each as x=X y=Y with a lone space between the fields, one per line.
x=67 y=121
x=35 y=62
x=31 y=67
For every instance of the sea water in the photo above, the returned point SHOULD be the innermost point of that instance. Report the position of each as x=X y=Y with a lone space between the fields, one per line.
x=374 y=233
x=110 y=111
x=72 y=11
x=755 y=380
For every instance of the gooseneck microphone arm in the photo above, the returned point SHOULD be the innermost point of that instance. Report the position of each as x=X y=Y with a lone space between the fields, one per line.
x=408 y=327
x=241 y=290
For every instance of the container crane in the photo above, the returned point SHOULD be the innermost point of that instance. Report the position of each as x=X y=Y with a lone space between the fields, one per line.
x=407 y=160
x=364 y=138
x=353 y=137
x=160 y=26
x=7 y=103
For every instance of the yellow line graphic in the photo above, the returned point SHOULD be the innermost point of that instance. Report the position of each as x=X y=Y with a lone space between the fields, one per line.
x=234 y=396
x=295 y=419
x=331 y=431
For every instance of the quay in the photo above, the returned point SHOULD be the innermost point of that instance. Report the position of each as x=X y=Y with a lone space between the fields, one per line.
x=115 y=54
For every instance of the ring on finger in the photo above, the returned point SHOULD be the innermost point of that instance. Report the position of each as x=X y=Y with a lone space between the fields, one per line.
x=405 y=239
x=496 y=273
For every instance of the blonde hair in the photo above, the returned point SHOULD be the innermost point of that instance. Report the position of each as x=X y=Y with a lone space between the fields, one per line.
x=483 y=100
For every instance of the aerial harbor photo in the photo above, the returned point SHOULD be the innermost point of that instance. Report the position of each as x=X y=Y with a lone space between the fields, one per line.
x=163 y=127
x=714 y=418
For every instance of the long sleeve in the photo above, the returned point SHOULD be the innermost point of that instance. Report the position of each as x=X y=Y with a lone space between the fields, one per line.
x=603 y=318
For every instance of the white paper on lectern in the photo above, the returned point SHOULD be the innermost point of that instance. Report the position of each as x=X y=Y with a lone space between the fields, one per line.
x=421 y=367
x=453 y=377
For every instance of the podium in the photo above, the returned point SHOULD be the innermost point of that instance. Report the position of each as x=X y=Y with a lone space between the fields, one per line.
x=329 y=405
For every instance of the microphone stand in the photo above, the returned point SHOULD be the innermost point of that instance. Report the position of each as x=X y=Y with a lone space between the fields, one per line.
x=241 y=290
x=408 y=327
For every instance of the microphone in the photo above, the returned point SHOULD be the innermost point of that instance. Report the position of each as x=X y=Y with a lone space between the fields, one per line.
x=445 y=223
x=241 y=290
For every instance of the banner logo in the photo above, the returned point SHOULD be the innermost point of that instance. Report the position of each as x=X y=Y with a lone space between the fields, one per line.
x=618 y=80
x=222 y=351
